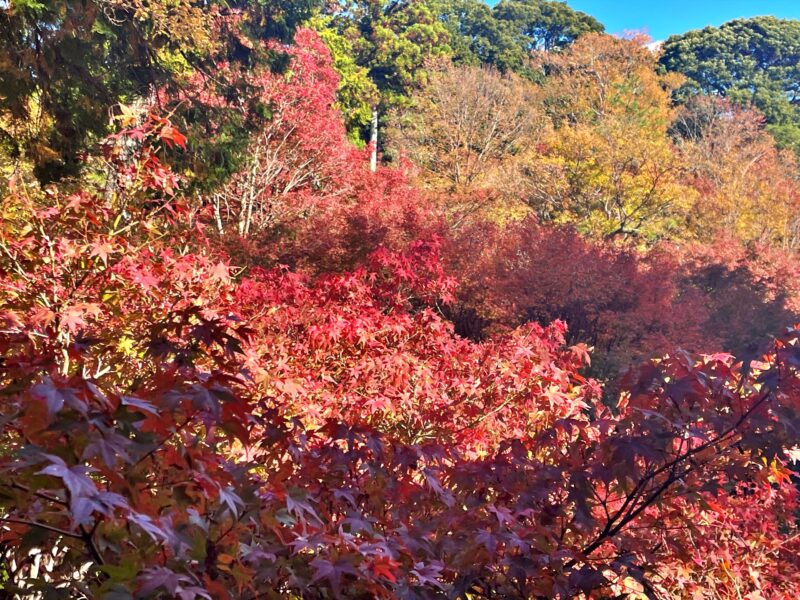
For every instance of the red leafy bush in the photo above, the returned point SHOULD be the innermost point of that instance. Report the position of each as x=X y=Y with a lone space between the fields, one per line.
x=750 y=292
x=363 y=347
x=627 y=305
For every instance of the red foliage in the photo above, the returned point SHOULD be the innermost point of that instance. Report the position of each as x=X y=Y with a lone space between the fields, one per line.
x=381 y=210
x=736 y=552
x=156 y=445
x=627 y=305
x=750 y=292
x=359 y=347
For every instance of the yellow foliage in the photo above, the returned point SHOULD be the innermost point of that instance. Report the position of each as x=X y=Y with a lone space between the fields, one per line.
x=608 y=165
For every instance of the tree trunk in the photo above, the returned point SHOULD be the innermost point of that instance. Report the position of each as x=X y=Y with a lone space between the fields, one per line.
x=218 y=212
x=373 y=141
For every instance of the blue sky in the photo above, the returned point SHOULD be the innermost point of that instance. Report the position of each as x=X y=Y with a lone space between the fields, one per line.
x=662 y=18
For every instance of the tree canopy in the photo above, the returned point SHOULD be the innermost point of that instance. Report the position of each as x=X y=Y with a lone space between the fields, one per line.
x=505 y=35
x=753 y=62
x=544 y=24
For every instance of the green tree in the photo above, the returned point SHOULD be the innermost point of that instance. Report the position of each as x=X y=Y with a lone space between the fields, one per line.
x=357 y=93
x=545 y=24
x=392 y=39
x=477 y=37
x=752 y=62
x=65 y=63
x=505 y=36
x=273 y=19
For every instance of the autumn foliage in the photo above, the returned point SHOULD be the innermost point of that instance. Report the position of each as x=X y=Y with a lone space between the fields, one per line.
x=171 y=450
x=312 y=381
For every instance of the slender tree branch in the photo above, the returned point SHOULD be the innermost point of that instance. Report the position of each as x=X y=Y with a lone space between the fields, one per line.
x=57 y=530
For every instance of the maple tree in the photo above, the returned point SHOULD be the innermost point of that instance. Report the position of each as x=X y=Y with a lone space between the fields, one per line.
x=300 y=151
x=627 y=304
x=749 y=290
x=300 y=192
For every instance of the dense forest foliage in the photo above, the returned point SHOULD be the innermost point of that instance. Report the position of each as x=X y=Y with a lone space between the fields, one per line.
x=396 y=299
